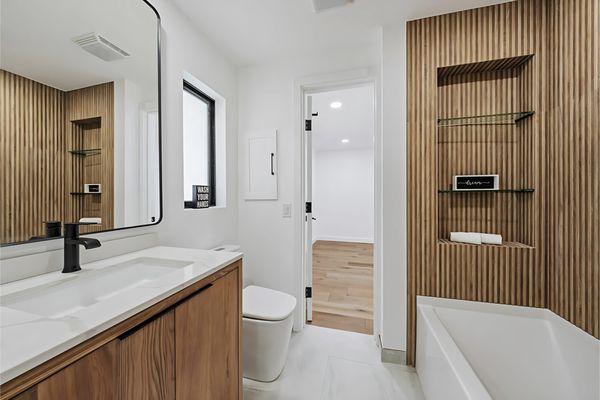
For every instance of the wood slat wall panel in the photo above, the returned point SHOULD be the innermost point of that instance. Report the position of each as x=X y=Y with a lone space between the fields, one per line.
x=514 y=273
x=573 y=162
x=38 y=172
x=33 y=150
x=559 y=147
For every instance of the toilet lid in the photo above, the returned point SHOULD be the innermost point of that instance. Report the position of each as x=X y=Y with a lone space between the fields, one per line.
x=267 y=304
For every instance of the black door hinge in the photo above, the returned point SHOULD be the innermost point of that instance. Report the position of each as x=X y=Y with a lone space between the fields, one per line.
x=308 y=125
x=308 y=208
x=308 y=293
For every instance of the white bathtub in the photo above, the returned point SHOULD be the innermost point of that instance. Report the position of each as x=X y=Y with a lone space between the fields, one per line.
x=483 y=351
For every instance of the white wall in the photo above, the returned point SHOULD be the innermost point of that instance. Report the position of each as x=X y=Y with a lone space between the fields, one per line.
x=184 y=49
x=267 y=100
x=393 y=207
x=343 y=195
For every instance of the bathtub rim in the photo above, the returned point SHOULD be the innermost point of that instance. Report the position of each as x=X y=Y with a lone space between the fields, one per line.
x=462 y=370
x=426 y=307
x=506 y=309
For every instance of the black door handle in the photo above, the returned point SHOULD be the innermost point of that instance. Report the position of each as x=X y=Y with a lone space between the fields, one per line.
x=272 y=156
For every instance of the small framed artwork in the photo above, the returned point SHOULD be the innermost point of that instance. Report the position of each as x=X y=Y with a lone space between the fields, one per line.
x=476 y=182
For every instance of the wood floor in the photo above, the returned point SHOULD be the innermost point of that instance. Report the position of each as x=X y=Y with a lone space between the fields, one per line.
x=343 y=286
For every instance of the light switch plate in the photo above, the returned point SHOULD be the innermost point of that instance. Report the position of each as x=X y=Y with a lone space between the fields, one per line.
x=287 y=210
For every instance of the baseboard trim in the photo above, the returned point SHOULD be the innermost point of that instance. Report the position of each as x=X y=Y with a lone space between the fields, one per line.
x=390 y=355
x=343 y=239
x=393 y=356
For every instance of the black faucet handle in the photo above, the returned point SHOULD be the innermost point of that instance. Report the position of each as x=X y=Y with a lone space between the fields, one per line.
x=71 y=229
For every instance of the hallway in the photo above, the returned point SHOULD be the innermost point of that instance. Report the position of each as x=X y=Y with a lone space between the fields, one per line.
x=343 y=286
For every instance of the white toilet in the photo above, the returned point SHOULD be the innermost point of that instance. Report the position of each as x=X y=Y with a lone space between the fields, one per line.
x=267 y=328
x=268 y=319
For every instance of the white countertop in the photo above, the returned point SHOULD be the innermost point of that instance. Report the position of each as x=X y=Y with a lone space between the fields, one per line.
x=28 y=340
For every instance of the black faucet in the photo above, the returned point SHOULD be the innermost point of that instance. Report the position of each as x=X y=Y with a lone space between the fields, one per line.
x=72 y=242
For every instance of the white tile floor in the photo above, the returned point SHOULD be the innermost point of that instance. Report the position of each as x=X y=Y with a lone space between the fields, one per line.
x=328 y=364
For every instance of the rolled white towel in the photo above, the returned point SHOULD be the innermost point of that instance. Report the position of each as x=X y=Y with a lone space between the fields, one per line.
x=490 y=238
x=91 y=220
x=466 y=237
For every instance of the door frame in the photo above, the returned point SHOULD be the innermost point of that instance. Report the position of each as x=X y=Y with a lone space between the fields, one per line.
x=324 y=83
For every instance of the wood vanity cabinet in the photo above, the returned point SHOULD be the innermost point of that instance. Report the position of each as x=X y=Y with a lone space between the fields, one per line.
x=147 y=360
x=207 y=343
x=92 y=377
x=186 y=347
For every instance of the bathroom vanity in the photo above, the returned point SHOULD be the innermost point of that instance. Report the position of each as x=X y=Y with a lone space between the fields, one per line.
x=160 y=323
x=83 y=126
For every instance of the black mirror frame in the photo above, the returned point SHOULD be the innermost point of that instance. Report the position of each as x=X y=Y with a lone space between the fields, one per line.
x=160 y=179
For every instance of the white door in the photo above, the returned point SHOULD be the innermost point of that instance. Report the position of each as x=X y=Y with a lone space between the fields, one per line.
x=308 y=206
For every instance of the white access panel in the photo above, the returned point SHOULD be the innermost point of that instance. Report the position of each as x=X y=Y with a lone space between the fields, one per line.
x=261 y=158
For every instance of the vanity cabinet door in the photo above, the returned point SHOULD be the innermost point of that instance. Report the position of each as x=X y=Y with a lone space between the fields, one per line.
x=94 y=377
x=207 y=328
x=147 y=360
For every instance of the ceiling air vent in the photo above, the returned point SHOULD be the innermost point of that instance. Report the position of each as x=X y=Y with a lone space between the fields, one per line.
x=322 y=5
x=100 y=47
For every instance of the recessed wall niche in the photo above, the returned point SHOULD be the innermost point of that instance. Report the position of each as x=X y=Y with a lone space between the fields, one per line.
x=484 y=127
x=86 y=168
x=90 y=142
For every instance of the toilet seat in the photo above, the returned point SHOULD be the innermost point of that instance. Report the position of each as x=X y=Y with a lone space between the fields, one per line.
x=266 y=304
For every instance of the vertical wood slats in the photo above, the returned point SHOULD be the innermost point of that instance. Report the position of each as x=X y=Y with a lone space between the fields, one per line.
x=38 y=172
x=573 y=162
x=33 y=152
x=560 y=147
x=511 y=274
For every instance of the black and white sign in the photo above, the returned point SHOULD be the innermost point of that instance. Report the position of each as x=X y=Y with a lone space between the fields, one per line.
x=476 y=182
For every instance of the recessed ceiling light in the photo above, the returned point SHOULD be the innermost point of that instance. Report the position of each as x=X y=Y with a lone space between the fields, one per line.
x=321 y=5
x=336 y=104
x=345 y=140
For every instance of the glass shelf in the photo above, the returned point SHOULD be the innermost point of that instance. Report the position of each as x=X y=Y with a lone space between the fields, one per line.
x=487 y=191
x=518 y=245
x=490 y=119
x=82 y=193
x=85 y=152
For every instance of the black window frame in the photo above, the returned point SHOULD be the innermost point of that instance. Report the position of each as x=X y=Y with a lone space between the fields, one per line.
x=210 y=102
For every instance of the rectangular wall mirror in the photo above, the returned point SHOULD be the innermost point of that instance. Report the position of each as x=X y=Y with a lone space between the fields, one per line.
x=79 y=116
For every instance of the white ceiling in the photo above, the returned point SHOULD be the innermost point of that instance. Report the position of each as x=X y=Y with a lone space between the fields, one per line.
x=353 y=121
x=36 y=41
x=257 y=31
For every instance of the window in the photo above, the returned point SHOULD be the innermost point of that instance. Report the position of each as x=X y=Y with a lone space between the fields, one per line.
x=198 y=143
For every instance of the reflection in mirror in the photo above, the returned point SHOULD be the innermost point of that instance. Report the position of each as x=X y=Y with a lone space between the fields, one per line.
x=79 y=116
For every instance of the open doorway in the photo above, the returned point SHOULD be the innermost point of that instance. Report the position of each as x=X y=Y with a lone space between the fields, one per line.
x=340 y=191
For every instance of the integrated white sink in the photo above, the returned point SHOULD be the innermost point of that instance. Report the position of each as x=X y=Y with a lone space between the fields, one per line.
x=71 y=294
